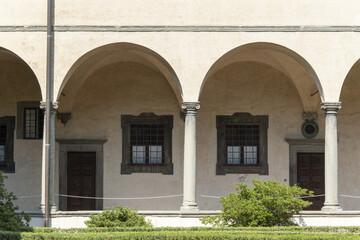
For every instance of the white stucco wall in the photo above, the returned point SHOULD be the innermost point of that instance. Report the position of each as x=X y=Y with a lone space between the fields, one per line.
x=99 y=104
x=348 y=139
x=18 y=83
x=259 y=90
x=129 y=89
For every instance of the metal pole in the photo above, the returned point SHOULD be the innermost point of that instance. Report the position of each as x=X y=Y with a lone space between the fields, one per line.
x=48 y=107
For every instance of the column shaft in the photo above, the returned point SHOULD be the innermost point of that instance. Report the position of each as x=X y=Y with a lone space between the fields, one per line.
x=51 y=161
x=331 y=157
x=189 y=198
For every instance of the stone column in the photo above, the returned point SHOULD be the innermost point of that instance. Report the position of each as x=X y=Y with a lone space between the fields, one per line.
x=51 y=160
x=52 y=157
x=189 y=204
x=42 y=204
x=331 y=157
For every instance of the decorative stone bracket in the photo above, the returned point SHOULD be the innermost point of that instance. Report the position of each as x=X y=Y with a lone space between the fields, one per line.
x=64 y=117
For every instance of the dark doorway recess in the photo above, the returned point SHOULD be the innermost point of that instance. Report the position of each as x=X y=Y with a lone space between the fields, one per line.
x=310 y=175
x=81 y=180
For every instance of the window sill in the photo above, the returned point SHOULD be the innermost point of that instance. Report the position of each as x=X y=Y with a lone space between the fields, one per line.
x=147 y=168
x=241 y=169
x=7 y=167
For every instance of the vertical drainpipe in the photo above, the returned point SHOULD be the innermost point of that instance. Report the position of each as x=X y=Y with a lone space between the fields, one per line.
x=49 y=97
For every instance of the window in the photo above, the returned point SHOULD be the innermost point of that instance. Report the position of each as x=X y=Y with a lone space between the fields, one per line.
x=30 y=120
x=3 y=136
x=33 y=123
x=146 y=143
x=7 y=127
x=242 y=144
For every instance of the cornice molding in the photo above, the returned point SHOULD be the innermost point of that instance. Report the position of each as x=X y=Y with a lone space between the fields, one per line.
x=231 y=28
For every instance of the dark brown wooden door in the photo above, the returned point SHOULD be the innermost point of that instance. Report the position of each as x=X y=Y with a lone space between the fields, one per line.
x=310 y=175
x=81 y=180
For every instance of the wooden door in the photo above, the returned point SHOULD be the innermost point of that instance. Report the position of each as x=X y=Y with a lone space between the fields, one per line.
x=310 y=175
x=81 y=180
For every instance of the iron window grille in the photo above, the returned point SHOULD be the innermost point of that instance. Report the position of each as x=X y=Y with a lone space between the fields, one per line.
x=33 y=123
x=3 y=134
x=7 y=127
x=147 y=143
x=242 y=144
x=30 y=120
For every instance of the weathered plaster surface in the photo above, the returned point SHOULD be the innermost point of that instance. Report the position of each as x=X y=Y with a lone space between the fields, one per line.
x=126 y=88
x=18 y=83
x=260 y=90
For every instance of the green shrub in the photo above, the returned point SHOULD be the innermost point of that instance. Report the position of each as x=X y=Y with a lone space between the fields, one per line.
x=266 y=204
x=9 y=220
x=117 y=217
x=214 y=234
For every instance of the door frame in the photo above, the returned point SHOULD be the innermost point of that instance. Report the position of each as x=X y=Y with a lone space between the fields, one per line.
x=302 y=146
x=81 y=145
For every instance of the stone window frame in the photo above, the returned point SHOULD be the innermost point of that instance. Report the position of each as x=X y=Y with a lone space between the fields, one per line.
x=8 y=166
x=127 y=167
x=20 y=125
x=81 y=145
x=242 y=118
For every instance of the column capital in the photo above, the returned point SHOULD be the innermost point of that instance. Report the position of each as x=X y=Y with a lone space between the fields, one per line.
x=54 y=105
x=191 y=106
x=330 y=106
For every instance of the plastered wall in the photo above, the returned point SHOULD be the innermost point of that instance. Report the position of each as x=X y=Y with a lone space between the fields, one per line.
x=131 y=89
x=18 y=83
x=110 y=92
x=257 y=89
x=349 y=141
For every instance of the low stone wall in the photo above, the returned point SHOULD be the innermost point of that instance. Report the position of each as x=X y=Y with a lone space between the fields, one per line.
x=175 y=219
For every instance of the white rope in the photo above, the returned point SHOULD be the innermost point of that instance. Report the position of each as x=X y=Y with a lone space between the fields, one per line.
x=207 y=196
x=33 y=196
x=133 y=198
x=321 y=195
x=349 y=196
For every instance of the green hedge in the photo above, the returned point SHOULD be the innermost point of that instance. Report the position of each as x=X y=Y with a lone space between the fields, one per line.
x=191 y=229
x=186 y=233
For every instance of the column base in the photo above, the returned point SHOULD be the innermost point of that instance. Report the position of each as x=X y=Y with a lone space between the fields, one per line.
x=331 y=208
x=53 y=208
x=189 y=208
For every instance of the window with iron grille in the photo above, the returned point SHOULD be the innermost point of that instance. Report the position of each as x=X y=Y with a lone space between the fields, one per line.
x=146 y=143
x=7 y=127
x=33 y=123
x=30 y=120
x=3 y=134
x=242 y=144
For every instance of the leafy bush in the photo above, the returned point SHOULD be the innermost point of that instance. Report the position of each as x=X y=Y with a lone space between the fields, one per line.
x=117 y=217
x=266 y=204
x=9 y=220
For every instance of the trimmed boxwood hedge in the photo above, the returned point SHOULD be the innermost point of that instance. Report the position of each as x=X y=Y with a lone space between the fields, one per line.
x=196 y=233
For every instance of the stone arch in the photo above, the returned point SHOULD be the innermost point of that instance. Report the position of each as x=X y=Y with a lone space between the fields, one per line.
x=348 y=132
x=118 y=52
x=281 y=58
x=19 y=88
x=350 y=79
